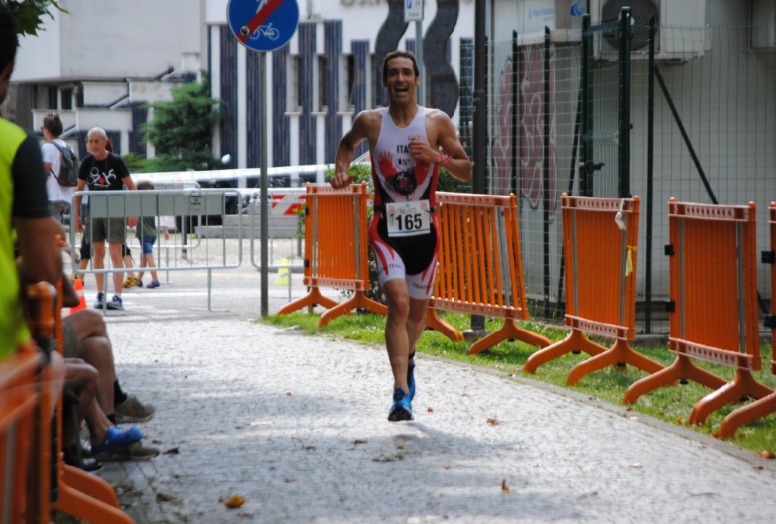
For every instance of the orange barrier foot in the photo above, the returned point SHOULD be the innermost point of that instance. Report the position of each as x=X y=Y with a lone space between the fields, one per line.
x=575 y=341
x=746 y=414
x=88 y=484
x=510 y=330
x=682 y=369
x=742 y=385
x=619 y=354
x=77 y=504
x=435 y=322
x=359 y=301
x=312 y=298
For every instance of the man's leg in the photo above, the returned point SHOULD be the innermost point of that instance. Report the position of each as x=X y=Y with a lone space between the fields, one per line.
x=118 y=262
x=397 y=337
x=98 y=262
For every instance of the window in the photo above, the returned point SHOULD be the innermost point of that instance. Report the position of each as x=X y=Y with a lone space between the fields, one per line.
x=67 y=98
x=53 y=101
x=377 y=83
x=323 y=82
x=350 y=81
x=294 y=83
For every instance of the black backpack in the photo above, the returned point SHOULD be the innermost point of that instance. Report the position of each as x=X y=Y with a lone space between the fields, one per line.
x=68 y=168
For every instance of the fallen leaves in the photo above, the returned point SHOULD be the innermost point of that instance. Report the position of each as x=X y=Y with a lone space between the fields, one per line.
x=768 y=455
x=494 y=421
x=504 y=487
x=234 y=502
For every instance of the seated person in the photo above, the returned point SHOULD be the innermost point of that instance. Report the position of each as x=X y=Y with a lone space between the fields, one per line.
x=86 y=337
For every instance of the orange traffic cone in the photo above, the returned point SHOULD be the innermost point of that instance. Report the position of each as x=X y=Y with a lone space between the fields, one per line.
x=79 y=289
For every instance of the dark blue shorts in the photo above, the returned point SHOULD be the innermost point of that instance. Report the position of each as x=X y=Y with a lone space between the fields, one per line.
x=148 y=244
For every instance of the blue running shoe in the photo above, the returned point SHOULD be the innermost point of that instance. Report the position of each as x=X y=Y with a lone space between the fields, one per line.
x=411 y=376
x=401 y=409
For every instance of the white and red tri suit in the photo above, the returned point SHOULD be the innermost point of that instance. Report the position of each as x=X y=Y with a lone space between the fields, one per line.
x=397 y=178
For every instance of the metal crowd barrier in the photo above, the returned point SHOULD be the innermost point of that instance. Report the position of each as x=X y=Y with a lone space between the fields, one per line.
x=193 y=209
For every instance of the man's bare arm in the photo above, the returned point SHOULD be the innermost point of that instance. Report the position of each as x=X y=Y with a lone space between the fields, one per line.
x=453 y=157
x=39 y=249
x=347 y=148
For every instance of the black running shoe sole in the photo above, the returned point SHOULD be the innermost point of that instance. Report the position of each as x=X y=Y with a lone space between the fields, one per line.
x=399 y=415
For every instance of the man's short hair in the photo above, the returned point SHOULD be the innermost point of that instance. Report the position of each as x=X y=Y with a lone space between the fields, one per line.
x=99 y=132
x=400 y=54
x=9 y=39
x=53 y=123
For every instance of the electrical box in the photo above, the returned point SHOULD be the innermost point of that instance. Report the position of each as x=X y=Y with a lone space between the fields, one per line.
x=682 y=31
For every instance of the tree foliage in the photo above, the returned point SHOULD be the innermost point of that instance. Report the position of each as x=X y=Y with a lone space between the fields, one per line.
x=181 y=129
x=29 y=13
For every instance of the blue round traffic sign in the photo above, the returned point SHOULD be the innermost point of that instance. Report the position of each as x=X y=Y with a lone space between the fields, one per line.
x=263 y=25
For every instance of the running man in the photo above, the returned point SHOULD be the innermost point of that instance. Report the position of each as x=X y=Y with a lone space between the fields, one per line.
x=407 y=144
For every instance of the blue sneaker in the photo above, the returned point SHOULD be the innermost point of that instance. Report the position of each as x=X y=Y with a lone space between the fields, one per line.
x=411 y=376
x=116 y=303
x=401 y=409
x=117 y=436
x=100 y=302
x=153 y=284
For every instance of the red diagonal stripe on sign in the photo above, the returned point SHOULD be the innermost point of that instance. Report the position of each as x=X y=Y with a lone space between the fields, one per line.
x=259 y=19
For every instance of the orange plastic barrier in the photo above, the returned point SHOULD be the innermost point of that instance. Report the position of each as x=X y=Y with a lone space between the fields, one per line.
x=600 y=238
x=19 y=398
x=57 y=485
x=480 y=267
x=336 y=250
x=713 y=286
x=767 y=404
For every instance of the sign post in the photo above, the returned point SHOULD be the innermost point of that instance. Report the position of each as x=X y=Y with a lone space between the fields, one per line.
x=263 y=25
x=413 y=12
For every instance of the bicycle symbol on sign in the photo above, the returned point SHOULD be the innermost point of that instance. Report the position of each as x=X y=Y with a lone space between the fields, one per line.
x=267 y=30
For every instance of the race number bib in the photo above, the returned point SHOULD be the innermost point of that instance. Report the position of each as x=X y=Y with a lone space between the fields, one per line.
x=406 y=219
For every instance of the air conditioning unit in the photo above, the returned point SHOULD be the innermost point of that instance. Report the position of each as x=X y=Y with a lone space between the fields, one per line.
x=682 y=32
x=763 y=23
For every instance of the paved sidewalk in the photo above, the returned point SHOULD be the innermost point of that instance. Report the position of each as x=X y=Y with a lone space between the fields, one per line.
x=297 y=426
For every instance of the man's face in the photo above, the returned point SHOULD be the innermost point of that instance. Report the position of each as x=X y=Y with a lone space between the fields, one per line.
x=400 y=79
x=5 y=80
x=95 y=144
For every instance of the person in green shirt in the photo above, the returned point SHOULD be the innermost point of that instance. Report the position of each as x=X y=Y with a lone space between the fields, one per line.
x=25 y=216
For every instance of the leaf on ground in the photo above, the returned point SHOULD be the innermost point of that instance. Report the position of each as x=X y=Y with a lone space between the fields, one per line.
x=289 y=394
x=494 y=421
x=430 y=410
x=767 y=454
x=289 y=480
x=359 y=441
x=235 y=501
x=504 y=486
x=165 y=497
x=173 y=451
